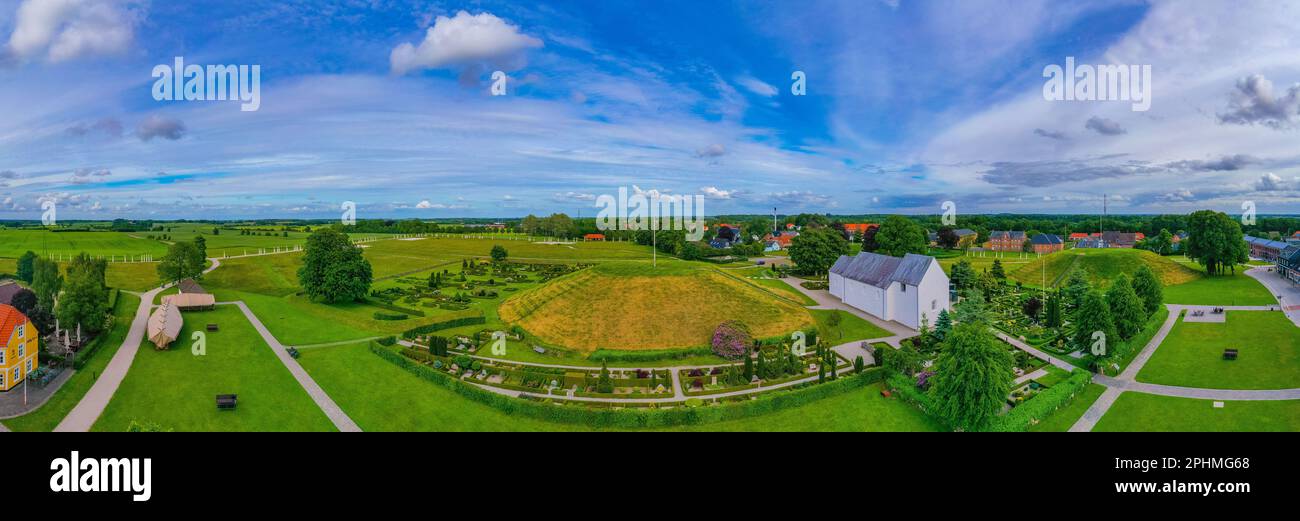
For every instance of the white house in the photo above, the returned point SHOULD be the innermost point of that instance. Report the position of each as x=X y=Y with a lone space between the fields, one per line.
x=903 y=290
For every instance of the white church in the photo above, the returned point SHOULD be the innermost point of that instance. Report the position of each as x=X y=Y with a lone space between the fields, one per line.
x=890 y=288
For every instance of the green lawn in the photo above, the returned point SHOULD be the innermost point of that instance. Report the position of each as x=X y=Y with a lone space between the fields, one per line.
x=176 y=389
x=50 y=414
x=1192 y=355
x=15 y=242
x=379 y=396
x=1065 y=417
x=1220 y=290
x=851 y=327
x=1152 y=413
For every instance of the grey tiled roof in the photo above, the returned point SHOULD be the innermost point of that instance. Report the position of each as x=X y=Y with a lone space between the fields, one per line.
x=882 y=270
x=1044 y=238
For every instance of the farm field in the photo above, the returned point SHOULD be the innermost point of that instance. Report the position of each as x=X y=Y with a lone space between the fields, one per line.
x=58 y=406
x=630 y=306
x=13 y=243
x=176 y=389
x=1192 y=355
x=379 y=396
x=1137 y=412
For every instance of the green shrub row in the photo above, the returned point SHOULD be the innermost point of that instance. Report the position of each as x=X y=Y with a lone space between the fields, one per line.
x=438 y=326
x=1043 y=405
x=633 y=418
x=380 y=315
x=392 y=307
x=647 y=355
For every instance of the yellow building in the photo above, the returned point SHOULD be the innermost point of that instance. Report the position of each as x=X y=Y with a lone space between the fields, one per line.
x=18 y=347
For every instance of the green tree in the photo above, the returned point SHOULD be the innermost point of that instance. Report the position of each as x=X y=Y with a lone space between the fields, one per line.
x=963 y=275
x=998 y=271
x=905 y=360
x=1053 y=318
x=84 y=300
x=604 y=384
x=1093 y=316
x=1148 y=288
x=182 y=261
x=1125 y=307
x=1076 y=286
x=1215 y=241
x=334 y=269
x=201 y=249
x=972 y=309
x=46 y=282
x=749 y=367
x=499 y=253
x=814 y=251
x=942 y=325
x=899 y=236
x=972 y=377
x=26 y=267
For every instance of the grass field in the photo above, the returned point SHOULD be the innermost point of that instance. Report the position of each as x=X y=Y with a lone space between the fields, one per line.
x=176 y=389
x=1137 y=412
x=13 y=243
x=632 y=306
x=850 y=329
x=1192 y=355
x=50 y=414
x=382 y=397
x=1220 y=290
x=1102 y=267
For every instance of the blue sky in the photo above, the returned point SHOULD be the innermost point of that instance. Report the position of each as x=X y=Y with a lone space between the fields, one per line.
x=387 y=103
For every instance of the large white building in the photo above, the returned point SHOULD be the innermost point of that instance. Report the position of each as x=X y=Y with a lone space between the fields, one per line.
x=903 y=290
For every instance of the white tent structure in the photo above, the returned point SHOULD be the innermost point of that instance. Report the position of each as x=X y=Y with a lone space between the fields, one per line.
x=165 y=325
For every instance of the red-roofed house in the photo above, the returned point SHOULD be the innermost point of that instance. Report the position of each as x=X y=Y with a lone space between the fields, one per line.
x=593 y=237
x=18 y=347
x=1078 y=236
x=858 y=229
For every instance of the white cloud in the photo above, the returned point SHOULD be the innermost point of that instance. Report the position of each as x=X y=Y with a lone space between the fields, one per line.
x=465 y=40
x=1270 y=182
x=63 y=30
x=712 y=192
x=714 y=150
x=757 y=86
x=160 y=127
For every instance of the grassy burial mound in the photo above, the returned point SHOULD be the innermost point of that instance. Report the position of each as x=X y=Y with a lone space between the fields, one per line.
x=625 y=305
x=1102 y=266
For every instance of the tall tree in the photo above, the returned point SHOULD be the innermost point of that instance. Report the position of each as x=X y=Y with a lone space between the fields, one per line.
x=84 y=300
x=947 y=237
x=972 y=377
x=201 y=248
x=1125 y=307
x=182 y=261
x=1053 y=318
x=963 y=274
x=24 y=301
x=1149 y=289
x=46 y=282
x=334 y=269
x=972 y=309
x=869 y=243
x=1076 y=286
x=998 y=271
x=1093 y=316
x=1215 y=241
x=814 y=251
x=499 y=253
x=26 y=267
x=899 y=236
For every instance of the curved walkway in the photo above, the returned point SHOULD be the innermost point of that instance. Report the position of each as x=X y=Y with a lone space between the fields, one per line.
x=1127 y=380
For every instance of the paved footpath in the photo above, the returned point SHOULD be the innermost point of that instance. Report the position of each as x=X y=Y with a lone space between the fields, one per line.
x=1288 y=294
x=327 y=405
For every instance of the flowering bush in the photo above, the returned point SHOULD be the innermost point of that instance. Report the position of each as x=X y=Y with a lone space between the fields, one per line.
x=731 y=339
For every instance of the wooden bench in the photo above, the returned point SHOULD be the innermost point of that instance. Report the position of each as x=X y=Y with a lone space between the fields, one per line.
x=227 y=401
x=212 y=327
x=1229 y=354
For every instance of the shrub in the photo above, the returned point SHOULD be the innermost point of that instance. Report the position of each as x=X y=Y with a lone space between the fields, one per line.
x=387 y=341
x=731 y=339
x=380 y=315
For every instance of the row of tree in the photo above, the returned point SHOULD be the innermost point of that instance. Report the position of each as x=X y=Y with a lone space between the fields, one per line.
x=76 y=295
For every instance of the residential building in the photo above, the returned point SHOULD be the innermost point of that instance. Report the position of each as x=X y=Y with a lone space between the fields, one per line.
x=1265 y=249
x=855 y=231
x=1288 y=263
x=1045 y=243
x=1078 y=237
x=906 y=290
x=593 y=237
x=1006 y=241
x=778 y=241
x=19 y=344
x=966 y=238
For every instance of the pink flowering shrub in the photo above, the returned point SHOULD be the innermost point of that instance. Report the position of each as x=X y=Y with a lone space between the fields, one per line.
x=731 y=339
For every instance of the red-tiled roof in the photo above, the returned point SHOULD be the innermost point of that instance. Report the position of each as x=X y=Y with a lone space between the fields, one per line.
x=10 y=318
x=1075 y=236
x=594 y=236
x=860 y=227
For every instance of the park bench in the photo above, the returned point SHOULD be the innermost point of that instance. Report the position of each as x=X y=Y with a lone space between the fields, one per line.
x=212 y=327
x=227 y=401
x=1229 y=354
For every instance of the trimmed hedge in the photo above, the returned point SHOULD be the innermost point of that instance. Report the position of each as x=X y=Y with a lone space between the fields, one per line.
x=637 y=418
x=1042 y=405
x=647 y=355
x=392 y=307
x=380 y=315
x=439 y=326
